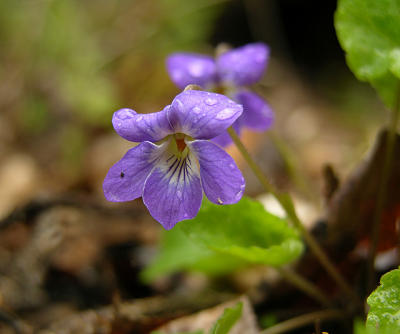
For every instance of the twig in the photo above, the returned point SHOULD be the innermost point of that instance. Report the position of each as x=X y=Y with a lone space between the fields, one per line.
x=303 y=320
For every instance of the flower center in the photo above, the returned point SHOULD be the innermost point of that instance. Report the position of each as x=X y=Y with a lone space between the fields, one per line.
x=180 y=144
x=177 y=145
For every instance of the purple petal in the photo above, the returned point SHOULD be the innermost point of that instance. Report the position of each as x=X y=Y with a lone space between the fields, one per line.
x=222 y=181
x=125 y=180
x=244 y=65
x=141 y=127
x=173 y=191
x=189 y=68
x=257 y=114
x=225 y=139
x=202 y=115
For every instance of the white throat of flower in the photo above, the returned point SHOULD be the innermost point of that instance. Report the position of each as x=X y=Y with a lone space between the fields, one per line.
x=177 y=162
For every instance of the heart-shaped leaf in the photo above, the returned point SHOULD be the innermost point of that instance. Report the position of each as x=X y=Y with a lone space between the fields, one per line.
x=369 y=32
x=178 y=252
x=245 y=230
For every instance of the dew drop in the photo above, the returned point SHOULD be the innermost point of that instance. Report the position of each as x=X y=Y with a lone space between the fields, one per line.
x=185 y=215
x=139 y=118
x=195 y=69
x=179 y=194
x=239 y=194
x=125 y=113
x=196 y=110
x=225 y=113
x=232 y=166
x=210 y=101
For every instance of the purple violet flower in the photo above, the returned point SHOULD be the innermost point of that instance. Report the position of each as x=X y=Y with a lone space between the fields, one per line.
x=175 y=161
x=230 y=72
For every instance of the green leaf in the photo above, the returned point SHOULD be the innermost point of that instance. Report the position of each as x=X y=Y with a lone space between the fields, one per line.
x=369 y=32
x=244 y=230
x=178 y=252
x=361 y=328
x=384 y=303
x=228 y=319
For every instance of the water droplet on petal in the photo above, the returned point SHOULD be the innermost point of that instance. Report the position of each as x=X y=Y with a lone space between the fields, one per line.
x=210 y=101
x=196 y=110
x=195 y=69
x=125 y=113
x=179 y=194
x=232 y=166
x=139 y=118
x=239 y=194
x=185 y=215
x=225 y=113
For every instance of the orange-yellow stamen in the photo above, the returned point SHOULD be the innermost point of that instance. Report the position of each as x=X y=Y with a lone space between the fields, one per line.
x=181 y=145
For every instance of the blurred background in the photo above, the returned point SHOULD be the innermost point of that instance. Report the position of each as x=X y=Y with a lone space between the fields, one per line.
x=67 y=65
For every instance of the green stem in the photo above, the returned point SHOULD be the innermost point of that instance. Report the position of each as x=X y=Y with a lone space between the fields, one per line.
x=382 y=191
x=304 y=285
x=303 y=320
x=298 y=178
x=287 y=204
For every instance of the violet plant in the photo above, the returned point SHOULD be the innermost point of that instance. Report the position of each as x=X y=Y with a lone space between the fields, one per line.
x=176 y=161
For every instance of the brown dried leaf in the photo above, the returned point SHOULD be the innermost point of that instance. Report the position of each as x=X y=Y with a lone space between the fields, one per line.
x=205 y=319
x=351 y=209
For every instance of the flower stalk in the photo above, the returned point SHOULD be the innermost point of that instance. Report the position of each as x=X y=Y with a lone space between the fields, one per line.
x=287 y=204
x=304 y=285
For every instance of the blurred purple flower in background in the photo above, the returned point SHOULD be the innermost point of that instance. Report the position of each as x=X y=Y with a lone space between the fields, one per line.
x=175 y=162
x=230 y=72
